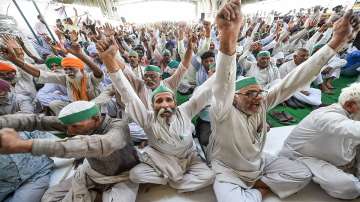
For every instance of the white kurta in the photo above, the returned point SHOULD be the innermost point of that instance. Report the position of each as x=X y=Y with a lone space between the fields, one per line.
x=314 y=97
x=325 y=141
x=237 y=140
x=265 y=77
x=171 y=150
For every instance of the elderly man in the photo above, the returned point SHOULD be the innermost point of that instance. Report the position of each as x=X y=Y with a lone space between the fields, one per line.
x=52 y=92
x=79 y=84
x=171 y=156
x=308 y=95
x=327 y=141
x=135 y=65
x=11 y=102
x=104 y=142
x=266 y=73
x=244 y=172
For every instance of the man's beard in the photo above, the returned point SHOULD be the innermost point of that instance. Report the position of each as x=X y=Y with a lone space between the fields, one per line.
x=355 y=116
x=164 y=119
x=77 y=79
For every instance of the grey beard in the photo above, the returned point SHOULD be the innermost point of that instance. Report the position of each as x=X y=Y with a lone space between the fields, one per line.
x=355 y=117
x=77 y=79
x=164 y=120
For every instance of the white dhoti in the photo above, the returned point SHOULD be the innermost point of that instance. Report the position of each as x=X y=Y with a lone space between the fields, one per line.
x=334 y=73
x=185 y=175
x=333 y=180
x=80 y=188
x=283 y=176
x=314 y=97
x=57 y=105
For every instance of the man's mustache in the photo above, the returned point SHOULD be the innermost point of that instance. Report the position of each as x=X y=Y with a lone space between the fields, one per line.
x=166 y=110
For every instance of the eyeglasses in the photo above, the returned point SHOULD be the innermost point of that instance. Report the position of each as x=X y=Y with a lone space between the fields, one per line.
x=254 y=94
x=151 y=76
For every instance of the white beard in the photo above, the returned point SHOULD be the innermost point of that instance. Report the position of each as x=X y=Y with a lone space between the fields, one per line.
x=163 y=120
x=356 y=116
x=77 y=80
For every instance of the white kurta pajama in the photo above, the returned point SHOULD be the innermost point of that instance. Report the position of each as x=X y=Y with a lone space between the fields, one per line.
x=237 y=140
x=327 y=141
x=171 y=157
x=266 y=77
x=314 y=97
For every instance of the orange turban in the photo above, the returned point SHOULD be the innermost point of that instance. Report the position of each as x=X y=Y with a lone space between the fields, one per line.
x=6 y=67
x=72 y=62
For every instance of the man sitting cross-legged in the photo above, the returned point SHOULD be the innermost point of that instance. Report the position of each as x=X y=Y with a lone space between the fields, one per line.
x=103 y=141
x=327 y=141
x=171 y=157
x=244 y=172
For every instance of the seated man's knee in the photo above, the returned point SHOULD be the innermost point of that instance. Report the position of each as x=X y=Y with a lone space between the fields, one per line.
x=229 y=192
x=342 y=188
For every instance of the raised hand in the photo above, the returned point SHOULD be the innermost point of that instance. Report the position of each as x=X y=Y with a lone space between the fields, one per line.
x=207 y=27
x=11 y=50
x=344 y=29
x=228 y=21
x=192 y=41
x=20 y=41
x=108 y=30
x=74 y=48
x=74 y=36
x=107 y=52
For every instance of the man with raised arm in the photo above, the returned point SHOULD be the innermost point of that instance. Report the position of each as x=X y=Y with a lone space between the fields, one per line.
x=243 y=171
x=171 y=157
x=103 y=141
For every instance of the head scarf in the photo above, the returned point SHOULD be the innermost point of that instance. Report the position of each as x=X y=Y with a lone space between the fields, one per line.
x=72 y=62
x=6 y=67
x=53 y=60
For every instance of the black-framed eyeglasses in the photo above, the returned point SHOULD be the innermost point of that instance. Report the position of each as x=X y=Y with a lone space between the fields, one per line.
x=254 y=94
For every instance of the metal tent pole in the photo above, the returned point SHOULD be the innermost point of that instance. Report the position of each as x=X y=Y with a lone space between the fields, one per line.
x=27 y=22
x=46 y=25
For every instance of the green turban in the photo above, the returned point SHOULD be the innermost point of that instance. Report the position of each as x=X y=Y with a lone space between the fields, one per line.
x=78 y=111
x=263 y=54
x=133 y=54
x=173 y=64
x=316 y=48
x=53 y=60
x=152 y=68
x=244 y=82
x=161 y=89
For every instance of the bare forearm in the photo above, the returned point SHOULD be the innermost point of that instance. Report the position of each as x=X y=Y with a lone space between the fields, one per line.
x=187 y=58
x=28 y=68
x=29 y=53
x=94 y=67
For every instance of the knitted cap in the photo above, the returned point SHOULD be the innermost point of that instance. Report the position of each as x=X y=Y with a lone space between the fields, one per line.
x=263 y=54
x=133 y=53
x=173 y=64
x=161 y=89
x=72 y=62
x=316 y=48
x=152 y=68
x=78 y=111
x=244 y=82
x=53 y=60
